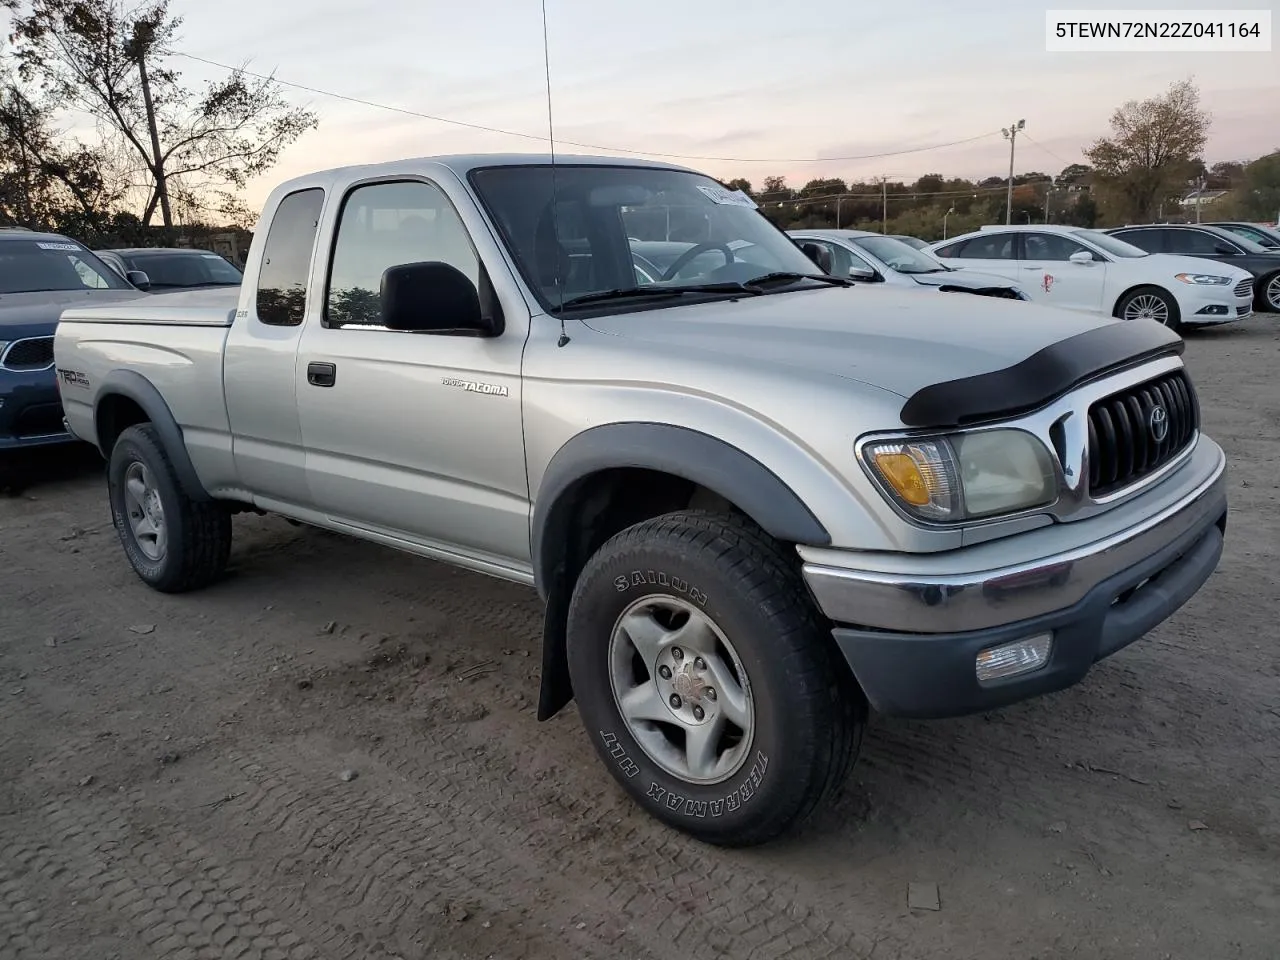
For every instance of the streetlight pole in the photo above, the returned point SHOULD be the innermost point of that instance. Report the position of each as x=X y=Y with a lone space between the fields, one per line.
x=884 y=209
x=1011 y=134
x=944 y=221
x=1048 y=192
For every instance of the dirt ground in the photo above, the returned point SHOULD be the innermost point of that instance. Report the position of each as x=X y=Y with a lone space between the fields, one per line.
x=176 y=772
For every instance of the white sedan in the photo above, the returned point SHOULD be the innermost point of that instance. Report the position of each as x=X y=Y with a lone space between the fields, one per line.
x=1088 y=270
x=875 y=258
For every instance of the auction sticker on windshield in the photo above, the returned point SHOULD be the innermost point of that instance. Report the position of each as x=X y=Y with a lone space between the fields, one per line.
x=732 y=198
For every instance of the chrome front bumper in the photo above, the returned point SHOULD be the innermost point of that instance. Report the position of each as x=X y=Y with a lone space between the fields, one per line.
x=955 y=591
x=915 y=630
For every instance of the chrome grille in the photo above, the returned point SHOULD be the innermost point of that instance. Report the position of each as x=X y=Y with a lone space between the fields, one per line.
x=1244 y=288
x=34 y=353
x=1125 y=441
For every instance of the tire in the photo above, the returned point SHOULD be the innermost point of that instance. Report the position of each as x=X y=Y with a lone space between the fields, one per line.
x=1268 y=298
x=1159 y=306
x=184 y=544
x=775 y=664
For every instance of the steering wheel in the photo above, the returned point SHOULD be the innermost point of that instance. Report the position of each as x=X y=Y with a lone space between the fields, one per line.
x=697 y=249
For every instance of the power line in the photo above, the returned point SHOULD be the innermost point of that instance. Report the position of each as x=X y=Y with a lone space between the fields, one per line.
x=1045 y=149
x=589 y=146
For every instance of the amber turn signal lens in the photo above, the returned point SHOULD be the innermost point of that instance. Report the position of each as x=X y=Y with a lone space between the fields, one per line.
x=904 y=476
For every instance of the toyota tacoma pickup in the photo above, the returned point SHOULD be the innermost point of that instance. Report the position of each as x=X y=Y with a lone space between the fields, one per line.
x=756 y=499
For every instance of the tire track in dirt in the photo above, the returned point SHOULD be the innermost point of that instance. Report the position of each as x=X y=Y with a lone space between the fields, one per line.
x=168 y=891
x=502 y=840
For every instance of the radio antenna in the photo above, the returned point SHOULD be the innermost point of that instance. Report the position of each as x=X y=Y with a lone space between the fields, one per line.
x=551 y=137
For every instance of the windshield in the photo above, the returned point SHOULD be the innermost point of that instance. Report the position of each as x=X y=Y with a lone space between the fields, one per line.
x=185 y=269
x=1259 y=236
x=898 y=255
x=37 y=266
x=1250 y=246
x=621 y=228
x=1112 y=245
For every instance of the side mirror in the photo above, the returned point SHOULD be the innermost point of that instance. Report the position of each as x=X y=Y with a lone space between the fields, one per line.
x=139 y=280
x=819 y=254
x=1081 y=256
x=864 y=275
x=431 y=297
x=1225 y=250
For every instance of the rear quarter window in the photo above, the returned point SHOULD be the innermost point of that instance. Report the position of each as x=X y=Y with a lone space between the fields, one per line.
x=281 y=298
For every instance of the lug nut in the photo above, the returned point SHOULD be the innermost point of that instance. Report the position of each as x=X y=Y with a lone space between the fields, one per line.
x=664 y=672
x=700 y=663
x=697 y=713
x=675 y=701
x=711 y=693
x=677 y=653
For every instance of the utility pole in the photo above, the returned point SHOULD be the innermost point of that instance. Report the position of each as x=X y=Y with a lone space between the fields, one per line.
x=143 y=35
x=1048 y=192
x=1199 y=192
x=839 y=201
x=884 y=200
x=27 y=215
x=1011 y=134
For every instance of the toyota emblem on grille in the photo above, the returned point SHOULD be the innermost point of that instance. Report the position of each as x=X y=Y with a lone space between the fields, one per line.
x=1158 y=421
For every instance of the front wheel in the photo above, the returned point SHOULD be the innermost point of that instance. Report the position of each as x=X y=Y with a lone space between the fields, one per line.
x=173 y=543
x=1150 y=303
x=1269 y=294
x=707 y=683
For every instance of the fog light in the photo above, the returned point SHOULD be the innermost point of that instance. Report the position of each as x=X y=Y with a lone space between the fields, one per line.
x=1012 y=659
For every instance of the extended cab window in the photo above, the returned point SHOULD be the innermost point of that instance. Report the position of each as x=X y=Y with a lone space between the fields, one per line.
x=384 y=225
x=286 y=259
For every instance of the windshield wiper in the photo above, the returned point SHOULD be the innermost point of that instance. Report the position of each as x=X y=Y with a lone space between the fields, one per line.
x=782 y=276
x=628 y=293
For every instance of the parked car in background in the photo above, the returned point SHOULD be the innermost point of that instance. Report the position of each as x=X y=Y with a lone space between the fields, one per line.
x=754 y=497
x=860 y=255
x=1089 y=270
x=175 y=268
x=40 y=275
x=911 y=241
x=1263 y=236
x=1213 y=243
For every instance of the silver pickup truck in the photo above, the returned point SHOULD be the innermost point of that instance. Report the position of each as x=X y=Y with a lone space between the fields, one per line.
x=755 y=499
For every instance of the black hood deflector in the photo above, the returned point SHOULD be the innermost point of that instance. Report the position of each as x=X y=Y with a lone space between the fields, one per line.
x=1042 y=377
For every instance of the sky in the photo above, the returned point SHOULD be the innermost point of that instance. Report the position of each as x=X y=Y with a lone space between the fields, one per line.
x=762 y=87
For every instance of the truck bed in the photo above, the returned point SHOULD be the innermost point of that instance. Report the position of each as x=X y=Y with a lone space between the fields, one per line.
x=208 y=307
x=175 y=342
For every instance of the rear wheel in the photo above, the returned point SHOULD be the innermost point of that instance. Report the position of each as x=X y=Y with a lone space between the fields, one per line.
x=173 y=543
x=1150 y=303
x=708 y=684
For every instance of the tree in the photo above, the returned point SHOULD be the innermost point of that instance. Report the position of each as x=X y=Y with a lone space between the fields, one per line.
x=107 y=58
x=46 y=178
x=738 y=183
x=1258 y=197
x=1154 y=147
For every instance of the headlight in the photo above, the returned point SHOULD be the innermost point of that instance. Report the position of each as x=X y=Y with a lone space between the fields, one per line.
x=1203 y=279
x=966 y=476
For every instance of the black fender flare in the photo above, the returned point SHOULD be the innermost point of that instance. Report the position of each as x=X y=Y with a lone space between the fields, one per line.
x=136 y=387
x=679 y=451
x=690 y=454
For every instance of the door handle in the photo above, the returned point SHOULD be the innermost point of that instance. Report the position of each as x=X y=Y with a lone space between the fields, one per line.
x=321 y=374
x=1028 y=266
